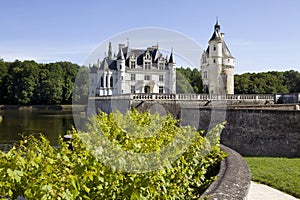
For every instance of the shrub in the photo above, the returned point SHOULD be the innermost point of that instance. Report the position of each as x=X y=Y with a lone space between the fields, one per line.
x=36 y=170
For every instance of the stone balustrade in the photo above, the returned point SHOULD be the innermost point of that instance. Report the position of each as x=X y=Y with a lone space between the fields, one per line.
x=189 y=97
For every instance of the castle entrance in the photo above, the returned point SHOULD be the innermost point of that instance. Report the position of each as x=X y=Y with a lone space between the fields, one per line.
x=147 y=89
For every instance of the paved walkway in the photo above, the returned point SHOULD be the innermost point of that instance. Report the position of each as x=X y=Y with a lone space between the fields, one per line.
x=264 y=192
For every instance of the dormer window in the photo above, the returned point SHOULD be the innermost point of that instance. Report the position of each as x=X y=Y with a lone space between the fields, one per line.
x=147 y=65
x=161 y=66
x=132 y=64
x=147 y=56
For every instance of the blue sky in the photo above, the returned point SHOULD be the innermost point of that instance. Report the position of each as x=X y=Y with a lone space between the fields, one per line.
x=262 y=35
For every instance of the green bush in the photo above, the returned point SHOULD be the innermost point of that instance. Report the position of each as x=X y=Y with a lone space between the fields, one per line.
x=36 y=170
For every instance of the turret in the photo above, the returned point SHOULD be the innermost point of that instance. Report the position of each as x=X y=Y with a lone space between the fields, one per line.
x=121 y=70
x=109 y=50
x=172 y=68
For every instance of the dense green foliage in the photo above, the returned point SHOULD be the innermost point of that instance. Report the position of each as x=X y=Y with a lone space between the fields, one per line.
x=28 y=82
x=188 y=81
x=267 y=82
x=36 y=170
x=280 y=173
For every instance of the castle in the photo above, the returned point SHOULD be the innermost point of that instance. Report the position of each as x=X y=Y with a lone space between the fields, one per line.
x=133 y=71
x=217 y=65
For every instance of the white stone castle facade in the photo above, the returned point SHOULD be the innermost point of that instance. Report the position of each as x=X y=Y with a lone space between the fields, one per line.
x=217 y=65
x=133 y=71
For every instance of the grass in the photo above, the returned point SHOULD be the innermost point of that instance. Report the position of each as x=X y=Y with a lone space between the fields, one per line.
x=280 y=173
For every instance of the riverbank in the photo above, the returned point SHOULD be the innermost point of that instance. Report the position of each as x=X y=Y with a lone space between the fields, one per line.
x=44 y=107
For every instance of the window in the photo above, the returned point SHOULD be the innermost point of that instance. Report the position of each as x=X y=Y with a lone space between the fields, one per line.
x=214 y=61
x=121 y=78
x=161 y=89
x=205 y=74
x=214 y=48
x=101 y=82
x=92 y=81
x=132 y=64
x=161 y=66
x=92 y=91
x=147 y=77
x=147 y=65
x=132 y=77
x=111 y=81
x=203 y=59
x=161 y=77
x=132 y=89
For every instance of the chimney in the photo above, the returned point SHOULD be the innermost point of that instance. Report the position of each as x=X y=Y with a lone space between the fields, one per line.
x=121 y=46
x=222 y=36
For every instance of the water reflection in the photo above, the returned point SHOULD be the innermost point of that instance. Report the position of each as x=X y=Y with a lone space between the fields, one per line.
x=51 y=123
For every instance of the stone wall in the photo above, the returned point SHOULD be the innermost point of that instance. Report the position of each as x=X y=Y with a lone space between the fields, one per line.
x=249 y=131
x=263 y=132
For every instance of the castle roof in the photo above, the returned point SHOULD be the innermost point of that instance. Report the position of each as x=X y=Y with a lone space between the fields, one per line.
x=216 y=35
x=138 y=54
x=219 y=37
x=226 y=51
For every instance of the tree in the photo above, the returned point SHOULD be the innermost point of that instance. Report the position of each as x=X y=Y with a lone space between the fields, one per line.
x=292 y=81
x=81 y=87
x=188 y=81
x=70 y=71
x=3 y=78
x=50 y=87
x=264 y=83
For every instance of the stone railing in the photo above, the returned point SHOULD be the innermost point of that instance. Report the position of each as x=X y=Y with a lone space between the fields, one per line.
x=188 y=97
x=202 y=97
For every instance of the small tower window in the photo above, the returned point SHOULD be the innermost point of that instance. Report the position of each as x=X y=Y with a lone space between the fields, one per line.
x=214 y=48
x=214 y=61
x=205 y=74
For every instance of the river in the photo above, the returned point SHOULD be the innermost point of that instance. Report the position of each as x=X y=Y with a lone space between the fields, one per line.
x=51 y=123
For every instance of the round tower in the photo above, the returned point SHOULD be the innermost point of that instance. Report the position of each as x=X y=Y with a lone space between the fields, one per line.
x=217 y=66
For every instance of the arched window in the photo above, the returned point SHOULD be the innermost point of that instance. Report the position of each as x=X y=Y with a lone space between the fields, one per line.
x=101 y=81
x=111 y=81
